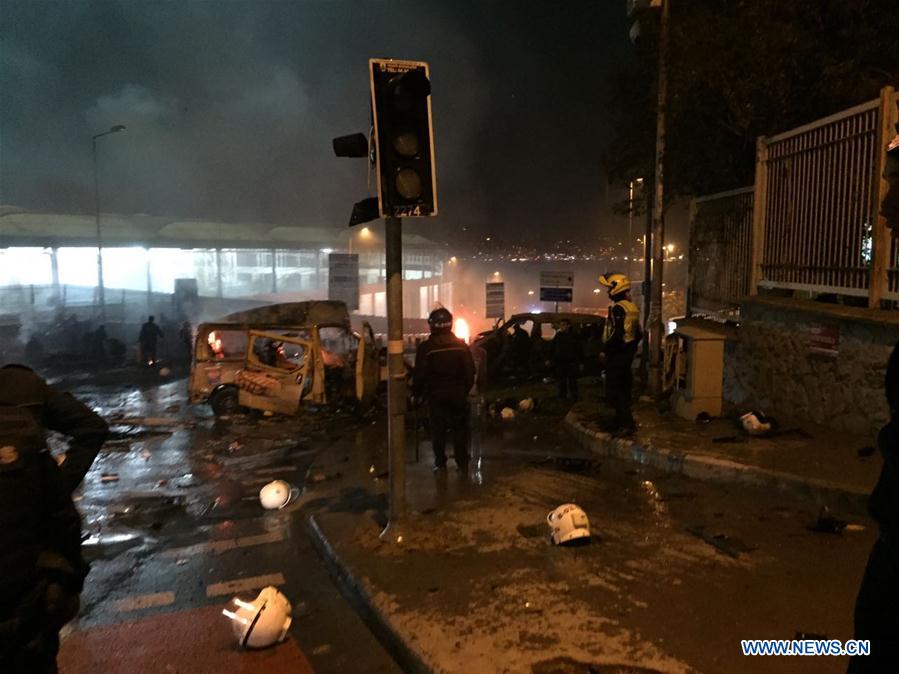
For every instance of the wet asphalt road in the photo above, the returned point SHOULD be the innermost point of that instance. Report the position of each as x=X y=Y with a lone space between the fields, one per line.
x=175 y=530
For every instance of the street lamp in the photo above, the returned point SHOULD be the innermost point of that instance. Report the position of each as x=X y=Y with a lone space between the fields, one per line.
x=100 y=289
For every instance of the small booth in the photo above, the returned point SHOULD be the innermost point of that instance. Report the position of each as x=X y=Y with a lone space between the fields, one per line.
x=699 y=372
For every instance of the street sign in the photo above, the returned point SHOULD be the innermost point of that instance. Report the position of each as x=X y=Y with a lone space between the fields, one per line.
x=556 y=286
x=556 y=294
x=556 y=279
x=496 y=300
x=343 y=279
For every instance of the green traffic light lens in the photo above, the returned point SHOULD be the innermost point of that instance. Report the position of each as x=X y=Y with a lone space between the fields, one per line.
x=406 y=143
x=408 y=183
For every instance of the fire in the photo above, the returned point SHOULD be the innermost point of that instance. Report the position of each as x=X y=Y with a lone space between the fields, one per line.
x=215 y=343
x=461 y=329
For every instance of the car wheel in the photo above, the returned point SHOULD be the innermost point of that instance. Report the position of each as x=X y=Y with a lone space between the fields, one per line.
x=225 y=401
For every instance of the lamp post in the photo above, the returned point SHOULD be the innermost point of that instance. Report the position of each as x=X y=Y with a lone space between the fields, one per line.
x=100 y=289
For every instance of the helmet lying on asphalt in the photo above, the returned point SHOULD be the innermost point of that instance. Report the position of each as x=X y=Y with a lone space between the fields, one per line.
x=756 y=423
x=277 y=494
x=262 y=622
x=568 y=523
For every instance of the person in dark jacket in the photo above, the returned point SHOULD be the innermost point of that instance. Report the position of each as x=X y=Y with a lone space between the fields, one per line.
x=443 y=376
x=566 y=358
x=41 y=568
x=521 y=350
x=150 y=334
x=877 y=604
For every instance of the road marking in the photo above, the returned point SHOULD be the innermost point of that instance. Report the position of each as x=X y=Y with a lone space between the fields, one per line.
x=218 y=547
x=144 y=601
x=276 y=469
x=244 y=584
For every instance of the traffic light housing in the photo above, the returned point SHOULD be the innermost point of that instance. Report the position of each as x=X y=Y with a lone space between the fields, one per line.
x=403 y=138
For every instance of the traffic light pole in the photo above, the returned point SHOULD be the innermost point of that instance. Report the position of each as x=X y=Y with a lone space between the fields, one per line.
x=396 y=382
x=656 y=320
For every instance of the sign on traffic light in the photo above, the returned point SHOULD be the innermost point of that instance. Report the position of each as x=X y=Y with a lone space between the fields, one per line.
x=404 y=141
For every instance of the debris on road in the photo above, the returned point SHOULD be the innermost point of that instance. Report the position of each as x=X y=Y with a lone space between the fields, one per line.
x=507 y=414
x=728 y=545
x=262 y=622
x=109 y=477
x=827 y=523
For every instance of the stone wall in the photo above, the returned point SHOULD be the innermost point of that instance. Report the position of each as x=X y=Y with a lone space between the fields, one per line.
x=777 y=365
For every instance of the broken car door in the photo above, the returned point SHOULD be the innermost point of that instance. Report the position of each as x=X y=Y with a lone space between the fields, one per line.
x=277 y=373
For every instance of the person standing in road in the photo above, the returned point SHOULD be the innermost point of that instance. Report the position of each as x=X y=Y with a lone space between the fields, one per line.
x=149 y=336
x=621 y=336
x=41 y=568
x=566 y=358
x=876 y=616
x=443 y=376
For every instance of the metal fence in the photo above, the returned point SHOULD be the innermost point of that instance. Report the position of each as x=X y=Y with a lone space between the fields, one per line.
x=720 y=251
x=818 y=193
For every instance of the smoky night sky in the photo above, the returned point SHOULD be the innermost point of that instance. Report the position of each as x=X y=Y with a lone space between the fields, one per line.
x=231 y=107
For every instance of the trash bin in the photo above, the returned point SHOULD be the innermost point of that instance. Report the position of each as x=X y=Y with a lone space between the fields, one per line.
x=698 y=386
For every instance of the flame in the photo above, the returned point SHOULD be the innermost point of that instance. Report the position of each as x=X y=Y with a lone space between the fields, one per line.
x=215 y=343
x=461 y=329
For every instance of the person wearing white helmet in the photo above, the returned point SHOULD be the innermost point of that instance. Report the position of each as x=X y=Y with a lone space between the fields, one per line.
x=621 y=335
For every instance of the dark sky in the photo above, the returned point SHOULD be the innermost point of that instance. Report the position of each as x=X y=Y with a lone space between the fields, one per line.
x=231 y=107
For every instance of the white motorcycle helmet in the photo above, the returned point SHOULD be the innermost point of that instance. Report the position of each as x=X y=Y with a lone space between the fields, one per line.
x=756 y=423
x=262 y=622
x=568 y=523
x=526 y=405
x=277 y=494
x=507 y=414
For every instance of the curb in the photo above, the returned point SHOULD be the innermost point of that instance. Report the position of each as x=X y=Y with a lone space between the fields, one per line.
x=714 y=469
x=407 y=656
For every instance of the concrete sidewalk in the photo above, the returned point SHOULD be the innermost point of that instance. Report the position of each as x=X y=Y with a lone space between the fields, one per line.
x=811 y=460
x=475 y=585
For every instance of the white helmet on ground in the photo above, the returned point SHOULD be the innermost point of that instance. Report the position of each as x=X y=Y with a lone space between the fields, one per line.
x=507 y=414
x=277 y=494
x=526 y=405
x=262 y=622
x=568 y=523
x=756 y=423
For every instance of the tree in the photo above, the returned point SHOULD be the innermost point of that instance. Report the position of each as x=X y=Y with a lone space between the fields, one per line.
x=739 y=69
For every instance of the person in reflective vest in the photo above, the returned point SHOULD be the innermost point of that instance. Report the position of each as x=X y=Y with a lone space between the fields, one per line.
x=622 y=333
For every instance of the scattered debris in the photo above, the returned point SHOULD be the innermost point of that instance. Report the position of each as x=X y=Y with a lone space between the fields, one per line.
x=732 y=547
x=181 y=562
x=173 y=408
x=854 y=527
x=507 y=414
x=165 y=371
x=527 y=405
x=324 y=649
x=827 y=523
x=703 y=418
x=109 y=477
x=145 y=455
x=234 y=446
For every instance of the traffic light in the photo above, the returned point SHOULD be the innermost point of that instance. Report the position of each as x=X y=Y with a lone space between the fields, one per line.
x=404 y=141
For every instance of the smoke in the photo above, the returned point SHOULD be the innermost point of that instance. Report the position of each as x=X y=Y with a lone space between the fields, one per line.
x=231 y=107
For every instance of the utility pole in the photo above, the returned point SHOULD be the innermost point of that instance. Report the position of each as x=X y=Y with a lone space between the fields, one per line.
x=656 y=322
x=396 y=381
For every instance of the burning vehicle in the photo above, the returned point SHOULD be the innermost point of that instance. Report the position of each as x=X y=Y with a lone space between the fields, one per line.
x=278 y=357
x=521 y=345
